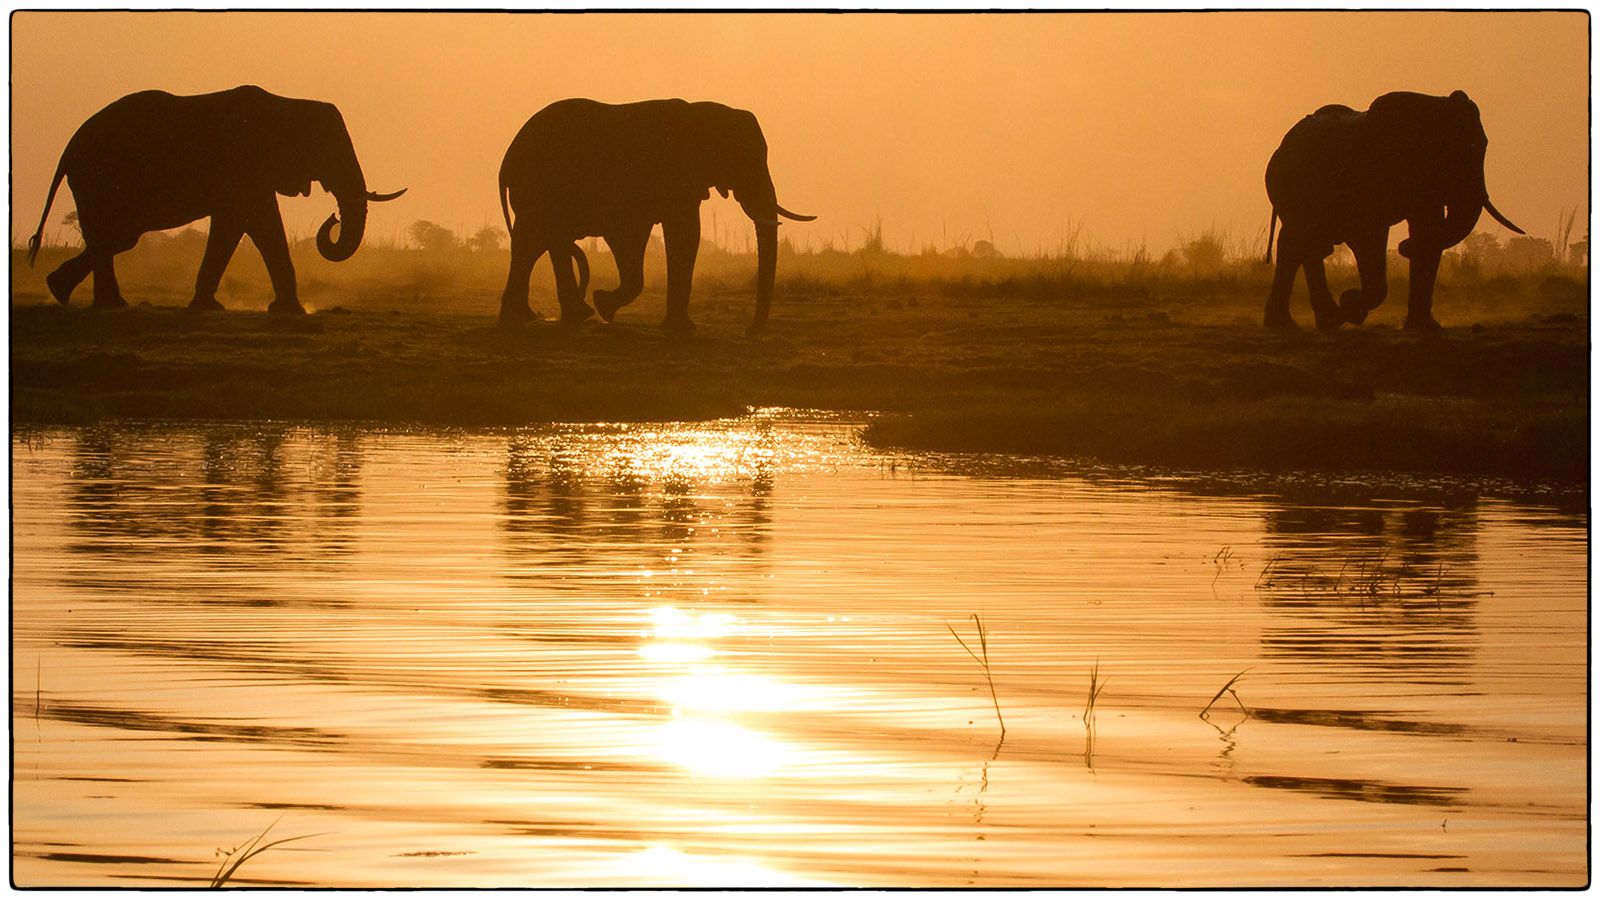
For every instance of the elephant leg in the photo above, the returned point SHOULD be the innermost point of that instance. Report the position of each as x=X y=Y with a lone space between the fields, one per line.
x=682 y=235
x=1322 y=305
x=1424 y=251
x=265 y=228
x=569 y=294
x=1277 y=315
x=1419 y=304
x=525 y=251
x=226 y=232
x=1371 y=252
x=107 y=293
x=627 y=247
x=102 y=252
x=67 y=276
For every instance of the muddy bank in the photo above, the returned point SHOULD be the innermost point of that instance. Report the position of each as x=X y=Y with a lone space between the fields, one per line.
x=1153 y=384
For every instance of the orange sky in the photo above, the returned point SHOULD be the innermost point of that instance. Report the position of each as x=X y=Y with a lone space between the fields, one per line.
x=1142 y=128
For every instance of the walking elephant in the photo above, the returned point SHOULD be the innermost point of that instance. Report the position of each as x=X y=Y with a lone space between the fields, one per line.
x=1344 y=177
x=580 y=168
x=153 y=160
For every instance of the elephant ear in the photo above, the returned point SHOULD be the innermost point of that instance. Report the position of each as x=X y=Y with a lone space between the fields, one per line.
x=251 y=132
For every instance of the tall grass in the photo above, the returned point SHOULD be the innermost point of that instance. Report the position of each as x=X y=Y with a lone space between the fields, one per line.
x=983 y=664
x=1096 y=685
x=435 y=268
x=234 y=858
x=1227 y=689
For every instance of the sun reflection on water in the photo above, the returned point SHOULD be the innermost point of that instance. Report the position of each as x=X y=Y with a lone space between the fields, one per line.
x=705 y=699
x=718 y=748
x=710 y=689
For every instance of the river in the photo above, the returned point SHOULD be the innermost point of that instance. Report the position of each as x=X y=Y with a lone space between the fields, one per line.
x=756 y=652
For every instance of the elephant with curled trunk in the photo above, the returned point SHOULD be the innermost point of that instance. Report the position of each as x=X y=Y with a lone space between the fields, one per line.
x=153 y=160
x=1344 y=177
x=580 y=168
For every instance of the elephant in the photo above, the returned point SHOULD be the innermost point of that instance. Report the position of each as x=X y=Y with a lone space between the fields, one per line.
x=153 y=160
x=1343 y=177
x=580 y=168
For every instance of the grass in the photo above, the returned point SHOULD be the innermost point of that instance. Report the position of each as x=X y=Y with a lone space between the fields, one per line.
x=1359 y=578
x=1117 y=359
x=1096 y=685
x=238 y=856
x=1227 y=689
x=983 y=664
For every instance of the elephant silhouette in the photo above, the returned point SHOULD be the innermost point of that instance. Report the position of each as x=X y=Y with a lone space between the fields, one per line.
x=1343 y=177
x=153 y=160
x=580 y=168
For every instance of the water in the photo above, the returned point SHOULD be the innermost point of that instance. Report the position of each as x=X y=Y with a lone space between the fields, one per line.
x=722 y=655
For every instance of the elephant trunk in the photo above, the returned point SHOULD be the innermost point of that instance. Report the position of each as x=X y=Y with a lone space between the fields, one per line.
x=760 y=202
x=352 y=223
x=766 y=270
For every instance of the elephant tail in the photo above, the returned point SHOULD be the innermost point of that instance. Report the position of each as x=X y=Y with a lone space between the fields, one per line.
x=1272 y=225
x=33 y=242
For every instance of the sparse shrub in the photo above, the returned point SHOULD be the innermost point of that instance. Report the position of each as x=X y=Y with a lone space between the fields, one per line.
x=432 y=238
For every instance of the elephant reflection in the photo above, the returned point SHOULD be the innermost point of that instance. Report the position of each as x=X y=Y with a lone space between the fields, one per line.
x=152 y=161
x=579 y=168
x=223 y=491
x=556 y=512
x=1343 y=177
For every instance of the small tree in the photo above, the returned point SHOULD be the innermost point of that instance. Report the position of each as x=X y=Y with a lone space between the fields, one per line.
x=433 y=238
x=487 y=239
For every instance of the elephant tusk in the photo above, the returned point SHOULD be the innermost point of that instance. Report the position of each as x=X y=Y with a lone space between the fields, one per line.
x=795 y=216
x=375 y=197
x=1499 y=218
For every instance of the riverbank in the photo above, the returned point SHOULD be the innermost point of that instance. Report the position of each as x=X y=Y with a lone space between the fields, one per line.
x=1165 y=382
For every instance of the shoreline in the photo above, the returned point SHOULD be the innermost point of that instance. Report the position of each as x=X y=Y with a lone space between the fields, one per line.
x=1218 y=393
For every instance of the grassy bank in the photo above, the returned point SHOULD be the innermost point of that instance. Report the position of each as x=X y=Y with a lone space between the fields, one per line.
x=1166 y=369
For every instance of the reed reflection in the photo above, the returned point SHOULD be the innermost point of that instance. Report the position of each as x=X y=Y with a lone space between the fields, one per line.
x=1391 y=589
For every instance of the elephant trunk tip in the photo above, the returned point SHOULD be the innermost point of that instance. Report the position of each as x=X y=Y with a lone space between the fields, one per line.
x=336 y=250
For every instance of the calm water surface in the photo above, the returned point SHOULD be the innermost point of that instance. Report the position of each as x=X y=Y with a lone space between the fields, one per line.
x=722 y=655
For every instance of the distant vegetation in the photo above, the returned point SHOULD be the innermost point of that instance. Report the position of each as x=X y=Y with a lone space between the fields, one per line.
x=436 y=269
x=1120 y=357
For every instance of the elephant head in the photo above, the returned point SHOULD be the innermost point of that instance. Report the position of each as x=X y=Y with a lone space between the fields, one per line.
x=312 y=144
x=735 y=158
x=1439 y=147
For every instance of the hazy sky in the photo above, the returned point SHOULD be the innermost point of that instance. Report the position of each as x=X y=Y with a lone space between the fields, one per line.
x=1135 y=127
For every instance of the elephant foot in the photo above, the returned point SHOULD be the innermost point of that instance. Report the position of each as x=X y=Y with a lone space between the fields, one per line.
x=116 y=302
x=678 y=324
x=204 y=304
x=1329 y=320
x=286 y=306
x=576 y=314
x=1353 y=307
x=1423 y=322
x=607 y=305
x=1280 y=323
x=60 y=288
x=517 y=313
